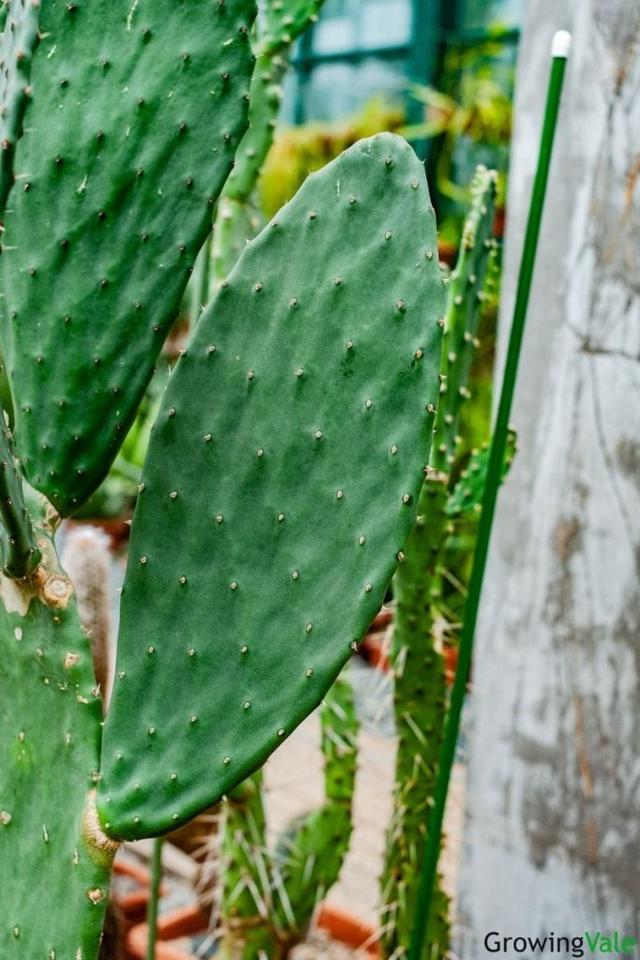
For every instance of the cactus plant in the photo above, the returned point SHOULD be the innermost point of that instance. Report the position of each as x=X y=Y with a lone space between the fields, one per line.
x=272 y=340
x=494 y=474
x=268 y=898
x=54 y=858
x=262 y=528
x=417 y=648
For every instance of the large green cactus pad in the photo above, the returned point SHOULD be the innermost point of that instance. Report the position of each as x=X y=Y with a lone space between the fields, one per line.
x=270 y=521
x=136 y=111
x=19 y=24
x=54 y=865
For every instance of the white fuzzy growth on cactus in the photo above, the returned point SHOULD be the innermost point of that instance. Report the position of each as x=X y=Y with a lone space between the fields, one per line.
x=87 y=560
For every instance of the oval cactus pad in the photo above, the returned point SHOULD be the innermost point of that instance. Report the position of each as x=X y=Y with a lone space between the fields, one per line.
x=136 y=110
x=280 y=485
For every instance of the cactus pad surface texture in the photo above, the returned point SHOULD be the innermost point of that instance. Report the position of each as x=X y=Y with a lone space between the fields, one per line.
x=280 y=485
x=136 y=110
x=54 y=863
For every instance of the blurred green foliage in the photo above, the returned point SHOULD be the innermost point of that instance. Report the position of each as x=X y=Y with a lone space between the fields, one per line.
x=467 y=121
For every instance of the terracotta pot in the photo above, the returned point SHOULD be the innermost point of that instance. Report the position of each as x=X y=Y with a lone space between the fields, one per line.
x=447 y=252
x=133 y=905
x=347 y=929
x=183 y=922
x=373 y=647
x=450 y=664
x=187 y=921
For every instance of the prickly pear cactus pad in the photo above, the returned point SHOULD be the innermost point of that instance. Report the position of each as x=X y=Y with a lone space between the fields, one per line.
x=136 y=112
x=19 y=39
x=54 y=863
x=280 y=485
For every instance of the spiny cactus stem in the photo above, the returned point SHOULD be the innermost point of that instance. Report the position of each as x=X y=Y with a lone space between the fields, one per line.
x=465 y=295
x=494 y=473
x=21 y=553
x=152 y=910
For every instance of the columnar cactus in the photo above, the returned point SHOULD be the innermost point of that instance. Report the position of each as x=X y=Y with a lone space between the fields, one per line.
x=284 y=467
x=268 y=898
x=465 y=297
x=420 y=624
x=278 y=26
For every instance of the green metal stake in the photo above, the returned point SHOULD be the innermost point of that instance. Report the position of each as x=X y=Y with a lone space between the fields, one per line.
x=152 y=909
x=559 y=54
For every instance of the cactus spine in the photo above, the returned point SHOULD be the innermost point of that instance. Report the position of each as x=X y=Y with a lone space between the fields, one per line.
x=420 y=621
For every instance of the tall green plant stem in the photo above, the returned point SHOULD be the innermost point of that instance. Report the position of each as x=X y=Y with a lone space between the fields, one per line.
x=494 y=474
x=152 y=909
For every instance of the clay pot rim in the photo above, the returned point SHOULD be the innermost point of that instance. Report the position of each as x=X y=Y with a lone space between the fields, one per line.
x=343 y=927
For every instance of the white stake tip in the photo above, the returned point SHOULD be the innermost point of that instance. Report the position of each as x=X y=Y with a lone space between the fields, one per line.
x=561 y=44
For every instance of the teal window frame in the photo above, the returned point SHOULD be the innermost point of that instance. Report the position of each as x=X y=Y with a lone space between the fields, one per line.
x=435 y=24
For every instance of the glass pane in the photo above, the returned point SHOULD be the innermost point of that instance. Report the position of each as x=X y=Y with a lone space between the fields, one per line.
x=362 y=24
x=385 y=23
x=337 y=28
x=507 y=12
x=336 y=90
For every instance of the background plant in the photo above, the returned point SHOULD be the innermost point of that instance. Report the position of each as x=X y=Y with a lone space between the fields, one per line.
x=424 y=627
x=267 y=898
